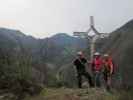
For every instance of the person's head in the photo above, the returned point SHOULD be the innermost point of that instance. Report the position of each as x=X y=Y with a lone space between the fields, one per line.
x=106 y=56
x=97 y=55
x=80 y=54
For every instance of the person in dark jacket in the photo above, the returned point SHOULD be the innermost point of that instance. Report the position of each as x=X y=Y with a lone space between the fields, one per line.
x=80 y=62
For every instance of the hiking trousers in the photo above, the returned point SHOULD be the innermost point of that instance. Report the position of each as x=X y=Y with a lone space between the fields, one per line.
x=86 y=75
x=97 y=78
x=107 y=79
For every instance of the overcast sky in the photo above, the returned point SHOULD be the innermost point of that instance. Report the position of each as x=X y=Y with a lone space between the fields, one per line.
x=41 y=18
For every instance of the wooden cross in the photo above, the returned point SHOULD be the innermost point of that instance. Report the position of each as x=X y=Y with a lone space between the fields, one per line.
x=91 y=38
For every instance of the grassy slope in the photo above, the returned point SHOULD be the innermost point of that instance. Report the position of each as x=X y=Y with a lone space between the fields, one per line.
x=81 y=94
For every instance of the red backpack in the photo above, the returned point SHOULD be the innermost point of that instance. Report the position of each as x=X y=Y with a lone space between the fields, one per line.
x=108 y=64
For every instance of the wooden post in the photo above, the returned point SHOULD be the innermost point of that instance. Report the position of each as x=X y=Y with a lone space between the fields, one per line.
x=91 y=21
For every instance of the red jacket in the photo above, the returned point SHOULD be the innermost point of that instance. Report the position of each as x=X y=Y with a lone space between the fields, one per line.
x=97 y=64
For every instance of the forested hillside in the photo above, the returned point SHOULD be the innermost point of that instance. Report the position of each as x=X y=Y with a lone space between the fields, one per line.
x=44 y=57
x=120 y=46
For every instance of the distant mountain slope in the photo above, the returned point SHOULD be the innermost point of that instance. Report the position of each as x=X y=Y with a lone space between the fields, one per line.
x=17 y=37
x=120 y=46
x=63 y=39
x=54 y=45
x=65 y=46
x=55 y=51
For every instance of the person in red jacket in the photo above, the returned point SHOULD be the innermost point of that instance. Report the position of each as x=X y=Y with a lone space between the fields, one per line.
x=108 y=67
x=96 y=69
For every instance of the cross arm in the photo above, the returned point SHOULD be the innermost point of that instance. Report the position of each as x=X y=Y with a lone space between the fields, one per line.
x=79 y=33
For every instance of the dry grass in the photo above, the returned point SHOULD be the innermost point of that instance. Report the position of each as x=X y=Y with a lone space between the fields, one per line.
x=81 y=94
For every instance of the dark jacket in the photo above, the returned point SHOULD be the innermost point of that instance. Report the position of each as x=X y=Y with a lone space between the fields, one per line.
x=80 y=64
